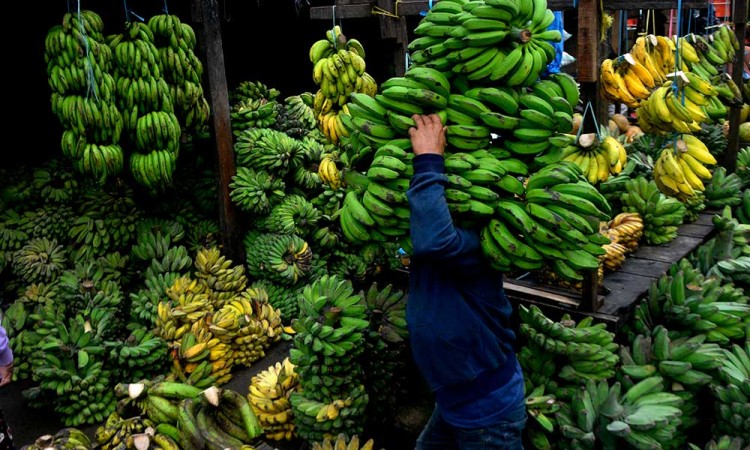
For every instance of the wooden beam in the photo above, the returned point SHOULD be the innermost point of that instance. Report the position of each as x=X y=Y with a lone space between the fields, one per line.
x=588 y=41
x=740 y=27
x=218 y=98
x=615 y=5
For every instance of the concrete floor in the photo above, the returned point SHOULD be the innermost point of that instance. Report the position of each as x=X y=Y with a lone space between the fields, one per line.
x=28 y=424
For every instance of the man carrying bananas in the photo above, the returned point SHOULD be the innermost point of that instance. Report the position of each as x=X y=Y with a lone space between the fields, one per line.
x=458 y=316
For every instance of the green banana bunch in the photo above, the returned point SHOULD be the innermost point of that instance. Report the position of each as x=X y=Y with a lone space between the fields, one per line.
x=585 y=351
x=255 y=191
x=722 y=443
x=718 y=311
x=67 y=438
x=385 y=355
x=732 y=392
x=175 y=42
x=141 y=355
x=328 y=340
x=540 y=407
x=293 y=215
x=39 y=261
x=557 y=224
x=253 y=113
x=264 y=149
x=342 y=441
x=661 y=215
x=723 y=189
x=281 y=297
x=79 y=66
x=281 y=258
x=725 y=255
x=743 y=210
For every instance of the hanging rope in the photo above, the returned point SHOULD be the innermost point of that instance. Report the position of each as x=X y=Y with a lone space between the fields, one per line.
x=166 y=8
x=589 y=108
x=383 y=12
x=91 y=87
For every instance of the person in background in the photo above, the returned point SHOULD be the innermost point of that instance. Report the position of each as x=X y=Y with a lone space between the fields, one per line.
x=6 y=375
x=458 y=317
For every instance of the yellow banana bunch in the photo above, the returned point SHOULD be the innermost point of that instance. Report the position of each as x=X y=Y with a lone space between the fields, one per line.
x=598 y=161
x=644 y=51
x=667 y=111
x=680 y=173
x=339 y=70
x=626 y=229
x=328 y=172
x=269 y=397
x=615 y=256
x=614 y=87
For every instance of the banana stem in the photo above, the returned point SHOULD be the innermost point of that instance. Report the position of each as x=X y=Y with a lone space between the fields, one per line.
x=332 y=316
x=522 y=35
x=355 y=179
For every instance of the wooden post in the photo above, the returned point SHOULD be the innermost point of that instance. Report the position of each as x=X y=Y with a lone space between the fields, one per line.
x=218 y=98
x=740 y=26
x=587 y=40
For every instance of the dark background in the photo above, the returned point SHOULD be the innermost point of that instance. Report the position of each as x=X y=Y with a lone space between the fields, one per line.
x=266 y=41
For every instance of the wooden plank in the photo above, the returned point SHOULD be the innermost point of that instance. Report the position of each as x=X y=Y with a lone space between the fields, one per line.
x=740 y=26
x=695 y=230
x=358 y=11
x=588 y=41
x=519 y=289
x=643 y=267
x=672 y=252
x=706 y=217
x=624 y=290
x=364 y=9
x=614 y=5
x=218 y=98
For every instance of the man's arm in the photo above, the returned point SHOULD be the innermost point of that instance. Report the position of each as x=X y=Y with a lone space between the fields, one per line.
x=433 y=233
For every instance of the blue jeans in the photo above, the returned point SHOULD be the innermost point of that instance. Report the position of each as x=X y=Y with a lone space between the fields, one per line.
x=504 y=435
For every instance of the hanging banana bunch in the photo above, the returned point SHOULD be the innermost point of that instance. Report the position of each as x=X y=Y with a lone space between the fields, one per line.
x=79 y=65
x=339 y=69
x=145 y=100
x=680 y=168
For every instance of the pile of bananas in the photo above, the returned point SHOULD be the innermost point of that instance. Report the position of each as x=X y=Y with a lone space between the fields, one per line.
x=327 y=344
x=293 y=215
x=141 y=355
x=682 y=110
x=253 y=105
x=557 y=225
x=626 y=80
x=282 y=258
x=687 y=364
x=342 y=442
x=145 y=100
x=721 y=443
x=718 y=310
x=724 y=189
x=732 y=392
x=182 y=70
x=79 y=64
x=298 y=118
x=504 y=42
x=661 y=215
x=69 y=365
x=39 y=261
x=601 y=157
x=585 y=351
x=118 y=432
x=681 y=167
x=223 y=279
x=269 y=397
x=185 y=415
x=282 y=297
x=643 y=416
x=339 y=70
x=201 y=359
x=63 y=439
x=626 y=229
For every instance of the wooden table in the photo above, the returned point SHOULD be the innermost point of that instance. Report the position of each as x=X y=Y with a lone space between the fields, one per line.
x=623 y=288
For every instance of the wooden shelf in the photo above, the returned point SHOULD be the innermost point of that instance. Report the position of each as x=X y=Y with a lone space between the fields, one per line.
x=624 y=288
